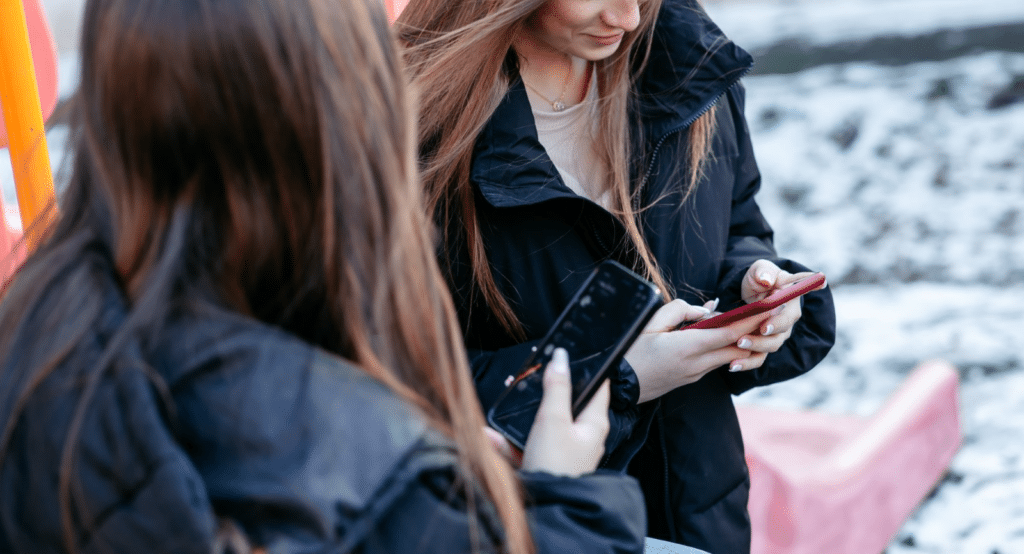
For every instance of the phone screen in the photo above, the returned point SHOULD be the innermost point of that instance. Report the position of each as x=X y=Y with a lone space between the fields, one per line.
x=596 y=329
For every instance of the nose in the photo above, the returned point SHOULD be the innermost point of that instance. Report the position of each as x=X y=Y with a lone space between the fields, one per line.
x=622 y=14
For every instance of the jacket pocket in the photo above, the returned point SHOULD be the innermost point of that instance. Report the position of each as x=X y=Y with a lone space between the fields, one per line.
x=722 y=527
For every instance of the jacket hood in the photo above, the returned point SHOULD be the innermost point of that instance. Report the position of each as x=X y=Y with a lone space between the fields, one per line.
x=691 y=64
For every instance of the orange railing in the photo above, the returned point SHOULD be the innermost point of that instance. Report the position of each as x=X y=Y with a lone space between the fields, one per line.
x=22 y=109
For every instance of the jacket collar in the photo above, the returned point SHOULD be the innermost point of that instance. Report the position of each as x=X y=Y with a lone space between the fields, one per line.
x=691 y=64
x=510 y=166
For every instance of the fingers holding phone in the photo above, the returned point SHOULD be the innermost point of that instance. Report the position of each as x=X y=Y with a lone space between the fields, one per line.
x=557 y=444
x=765 y=280
x=762 y=325
x=771 y=333
x=602 y=320
x=665 y=359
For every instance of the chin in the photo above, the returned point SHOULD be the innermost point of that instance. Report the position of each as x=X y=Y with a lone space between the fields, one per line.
x=598 y=55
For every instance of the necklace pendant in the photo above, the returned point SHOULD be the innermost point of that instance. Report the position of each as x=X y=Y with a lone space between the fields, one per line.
x=558 y=106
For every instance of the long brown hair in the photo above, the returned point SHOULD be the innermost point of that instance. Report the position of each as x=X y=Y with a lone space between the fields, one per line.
x=457 y=52
x=263 y=155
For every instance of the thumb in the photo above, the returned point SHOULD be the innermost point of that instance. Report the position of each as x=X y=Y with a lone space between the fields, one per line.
x=759 y=281
x=555 y=403
x=674 y=313
x=596 y=411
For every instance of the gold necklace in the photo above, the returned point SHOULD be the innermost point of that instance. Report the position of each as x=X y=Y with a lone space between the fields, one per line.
x=556 y=105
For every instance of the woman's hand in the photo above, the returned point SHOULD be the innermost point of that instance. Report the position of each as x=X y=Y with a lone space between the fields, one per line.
x=664 y=359
x=557 y=444
x=762 y=279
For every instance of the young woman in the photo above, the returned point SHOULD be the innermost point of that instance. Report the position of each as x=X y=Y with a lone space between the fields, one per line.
x=558 y=133
x=236 y=333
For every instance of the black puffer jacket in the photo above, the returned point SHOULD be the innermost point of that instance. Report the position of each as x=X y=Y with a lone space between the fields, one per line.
x=299 y=448
x=542 y=241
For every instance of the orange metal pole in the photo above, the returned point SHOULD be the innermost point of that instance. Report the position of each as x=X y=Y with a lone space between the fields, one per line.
x=19 y=96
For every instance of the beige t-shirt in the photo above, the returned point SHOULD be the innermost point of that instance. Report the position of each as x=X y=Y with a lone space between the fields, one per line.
x=568 y=138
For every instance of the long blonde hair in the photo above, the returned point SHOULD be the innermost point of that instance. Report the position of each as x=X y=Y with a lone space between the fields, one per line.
x=262 y=154
x=458 y=52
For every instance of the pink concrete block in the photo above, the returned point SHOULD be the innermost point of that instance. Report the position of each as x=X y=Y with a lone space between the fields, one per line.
x=12 y=248
x=835 y=484
x=394 y=8
x=44 y=59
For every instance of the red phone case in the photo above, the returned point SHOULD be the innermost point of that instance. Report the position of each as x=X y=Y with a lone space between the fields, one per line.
x=776 y=299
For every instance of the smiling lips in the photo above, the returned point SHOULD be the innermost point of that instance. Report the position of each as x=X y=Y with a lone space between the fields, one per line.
x=607 y=40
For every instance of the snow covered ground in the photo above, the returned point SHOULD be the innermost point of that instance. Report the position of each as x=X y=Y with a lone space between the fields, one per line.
x=905 y=185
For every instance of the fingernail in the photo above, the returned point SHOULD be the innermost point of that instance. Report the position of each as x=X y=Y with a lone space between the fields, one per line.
x=744 y=343
x=560 y=361
x=765 y=279
x=768 y=330
x=735 y=367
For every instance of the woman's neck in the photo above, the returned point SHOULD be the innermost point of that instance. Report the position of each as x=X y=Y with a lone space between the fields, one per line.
x=552 y=76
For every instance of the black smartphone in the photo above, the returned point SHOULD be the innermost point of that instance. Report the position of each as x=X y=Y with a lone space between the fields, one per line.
x=596 y=328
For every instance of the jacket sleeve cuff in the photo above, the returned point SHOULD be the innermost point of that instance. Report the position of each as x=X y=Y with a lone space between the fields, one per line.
x=813 y=336
x=625 y=388
x=601 y=512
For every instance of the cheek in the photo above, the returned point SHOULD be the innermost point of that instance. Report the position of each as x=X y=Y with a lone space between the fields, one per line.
x=564 y=19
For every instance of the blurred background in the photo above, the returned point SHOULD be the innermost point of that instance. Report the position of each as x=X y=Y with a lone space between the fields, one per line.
x=890 y=135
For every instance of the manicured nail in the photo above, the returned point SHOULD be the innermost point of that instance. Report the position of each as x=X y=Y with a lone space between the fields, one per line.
x=744 y=343
x=735 y=367
x=714 y=305
x=765 y=279
x=768 y=330
x=560 y=361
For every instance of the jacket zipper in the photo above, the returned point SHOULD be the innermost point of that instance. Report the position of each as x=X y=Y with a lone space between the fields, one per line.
x=600 y=242
x=657 y=147
x=689 y=121
x=669 y=519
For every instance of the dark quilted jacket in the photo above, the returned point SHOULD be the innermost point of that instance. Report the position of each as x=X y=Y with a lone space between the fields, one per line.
x=229 y=419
